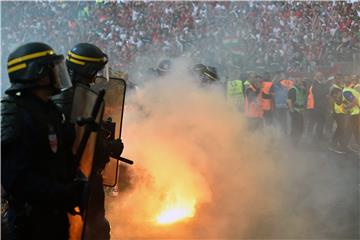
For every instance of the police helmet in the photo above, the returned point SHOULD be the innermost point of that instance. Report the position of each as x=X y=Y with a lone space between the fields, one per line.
x=85 y=60
x=164 y=66
x=33 y=61
x=209 y=74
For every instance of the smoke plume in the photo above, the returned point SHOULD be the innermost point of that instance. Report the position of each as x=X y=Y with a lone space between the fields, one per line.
x=190 y=145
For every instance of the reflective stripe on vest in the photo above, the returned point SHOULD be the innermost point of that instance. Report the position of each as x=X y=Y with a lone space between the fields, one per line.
x=310 y=99
x=253 y=109
x=266 y=98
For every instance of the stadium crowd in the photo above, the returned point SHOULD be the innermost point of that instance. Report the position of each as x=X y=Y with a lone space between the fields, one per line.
x=290 y=36
x=256 y=37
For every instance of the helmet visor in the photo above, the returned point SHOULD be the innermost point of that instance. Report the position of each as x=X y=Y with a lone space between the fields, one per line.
x=104 y=72
x=60 y=76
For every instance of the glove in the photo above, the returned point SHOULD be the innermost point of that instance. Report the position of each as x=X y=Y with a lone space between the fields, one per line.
x=75 y=195
x=116 y=147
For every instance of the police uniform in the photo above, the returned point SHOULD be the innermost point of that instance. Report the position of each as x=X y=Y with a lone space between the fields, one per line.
x=37 y=167
x=84 y=61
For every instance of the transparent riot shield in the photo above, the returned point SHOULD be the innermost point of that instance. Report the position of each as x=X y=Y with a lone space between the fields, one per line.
x=87 y=110
x=82 y=110
x=112 y=122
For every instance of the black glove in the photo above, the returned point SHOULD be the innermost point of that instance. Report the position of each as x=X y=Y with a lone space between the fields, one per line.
x=116 y=147
x=75 y=195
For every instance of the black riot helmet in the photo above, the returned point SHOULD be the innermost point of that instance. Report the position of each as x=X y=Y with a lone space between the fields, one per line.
x=30 y=64
x=85 y=60
x=209 y=74
x=164 y=67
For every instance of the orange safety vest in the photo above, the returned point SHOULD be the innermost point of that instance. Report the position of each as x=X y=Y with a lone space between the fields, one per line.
x=253 y=109
x=287 y=83
x=310 y=99
x=266 y=98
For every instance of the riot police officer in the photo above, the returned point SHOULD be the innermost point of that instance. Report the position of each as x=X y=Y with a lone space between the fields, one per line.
x=37 y=167
x=164 y=67
x=84 y=61
x=206 y=74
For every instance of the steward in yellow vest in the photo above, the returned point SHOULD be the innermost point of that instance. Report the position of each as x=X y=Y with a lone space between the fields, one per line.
x=235 y=93
x=351 y=99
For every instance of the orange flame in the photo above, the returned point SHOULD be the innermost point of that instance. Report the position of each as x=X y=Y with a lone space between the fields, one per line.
x=179 y=212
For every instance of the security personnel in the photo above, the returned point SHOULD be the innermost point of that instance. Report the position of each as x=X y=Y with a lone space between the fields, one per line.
x=206 y=74
x=253 y=110
x=352 y=107
x=280 y=91
x=37 y=165
x=84 y=61
x=235 y=92
x=338 y=144
x=296 y=104
x=164 y=67
x=267 y=98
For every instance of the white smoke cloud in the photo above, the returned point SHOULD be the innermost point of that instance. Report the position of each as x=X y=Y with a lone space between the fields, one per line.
x=186 y=139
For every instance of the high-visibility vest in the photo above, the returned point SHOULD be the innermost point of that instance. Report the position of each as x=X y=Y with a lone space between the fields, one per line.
x=339 y=108
x=253 y=109
x=310 y=99
x=266 y=98
x=235 y=94
x=287 y=83
x=299 y=104
x=235 y=88
x=356 y=109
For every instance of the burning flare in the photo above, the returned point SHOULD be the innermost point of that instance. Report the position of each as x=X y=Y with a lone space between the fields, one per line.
x=180 y=211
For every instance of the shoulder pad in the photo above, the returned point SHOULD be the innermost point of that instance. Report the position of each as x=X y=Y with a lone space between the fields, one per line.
x=10 y=120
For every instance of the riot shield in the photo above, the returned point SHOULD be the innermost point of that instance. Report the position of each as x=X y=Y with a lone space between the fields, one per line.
x=87 y=110
x=82 y=109
x=109 y=129
x=112 y=122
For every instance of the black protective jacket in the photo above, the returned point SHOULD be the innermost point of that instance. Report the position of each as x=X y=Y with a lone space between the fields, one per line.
x=36 y=167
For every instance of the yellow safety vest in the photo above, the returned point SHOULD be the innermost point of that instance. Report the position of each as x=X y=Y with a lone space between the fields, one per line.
x=356 y=109
x=235 y=88
x=338 y=108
